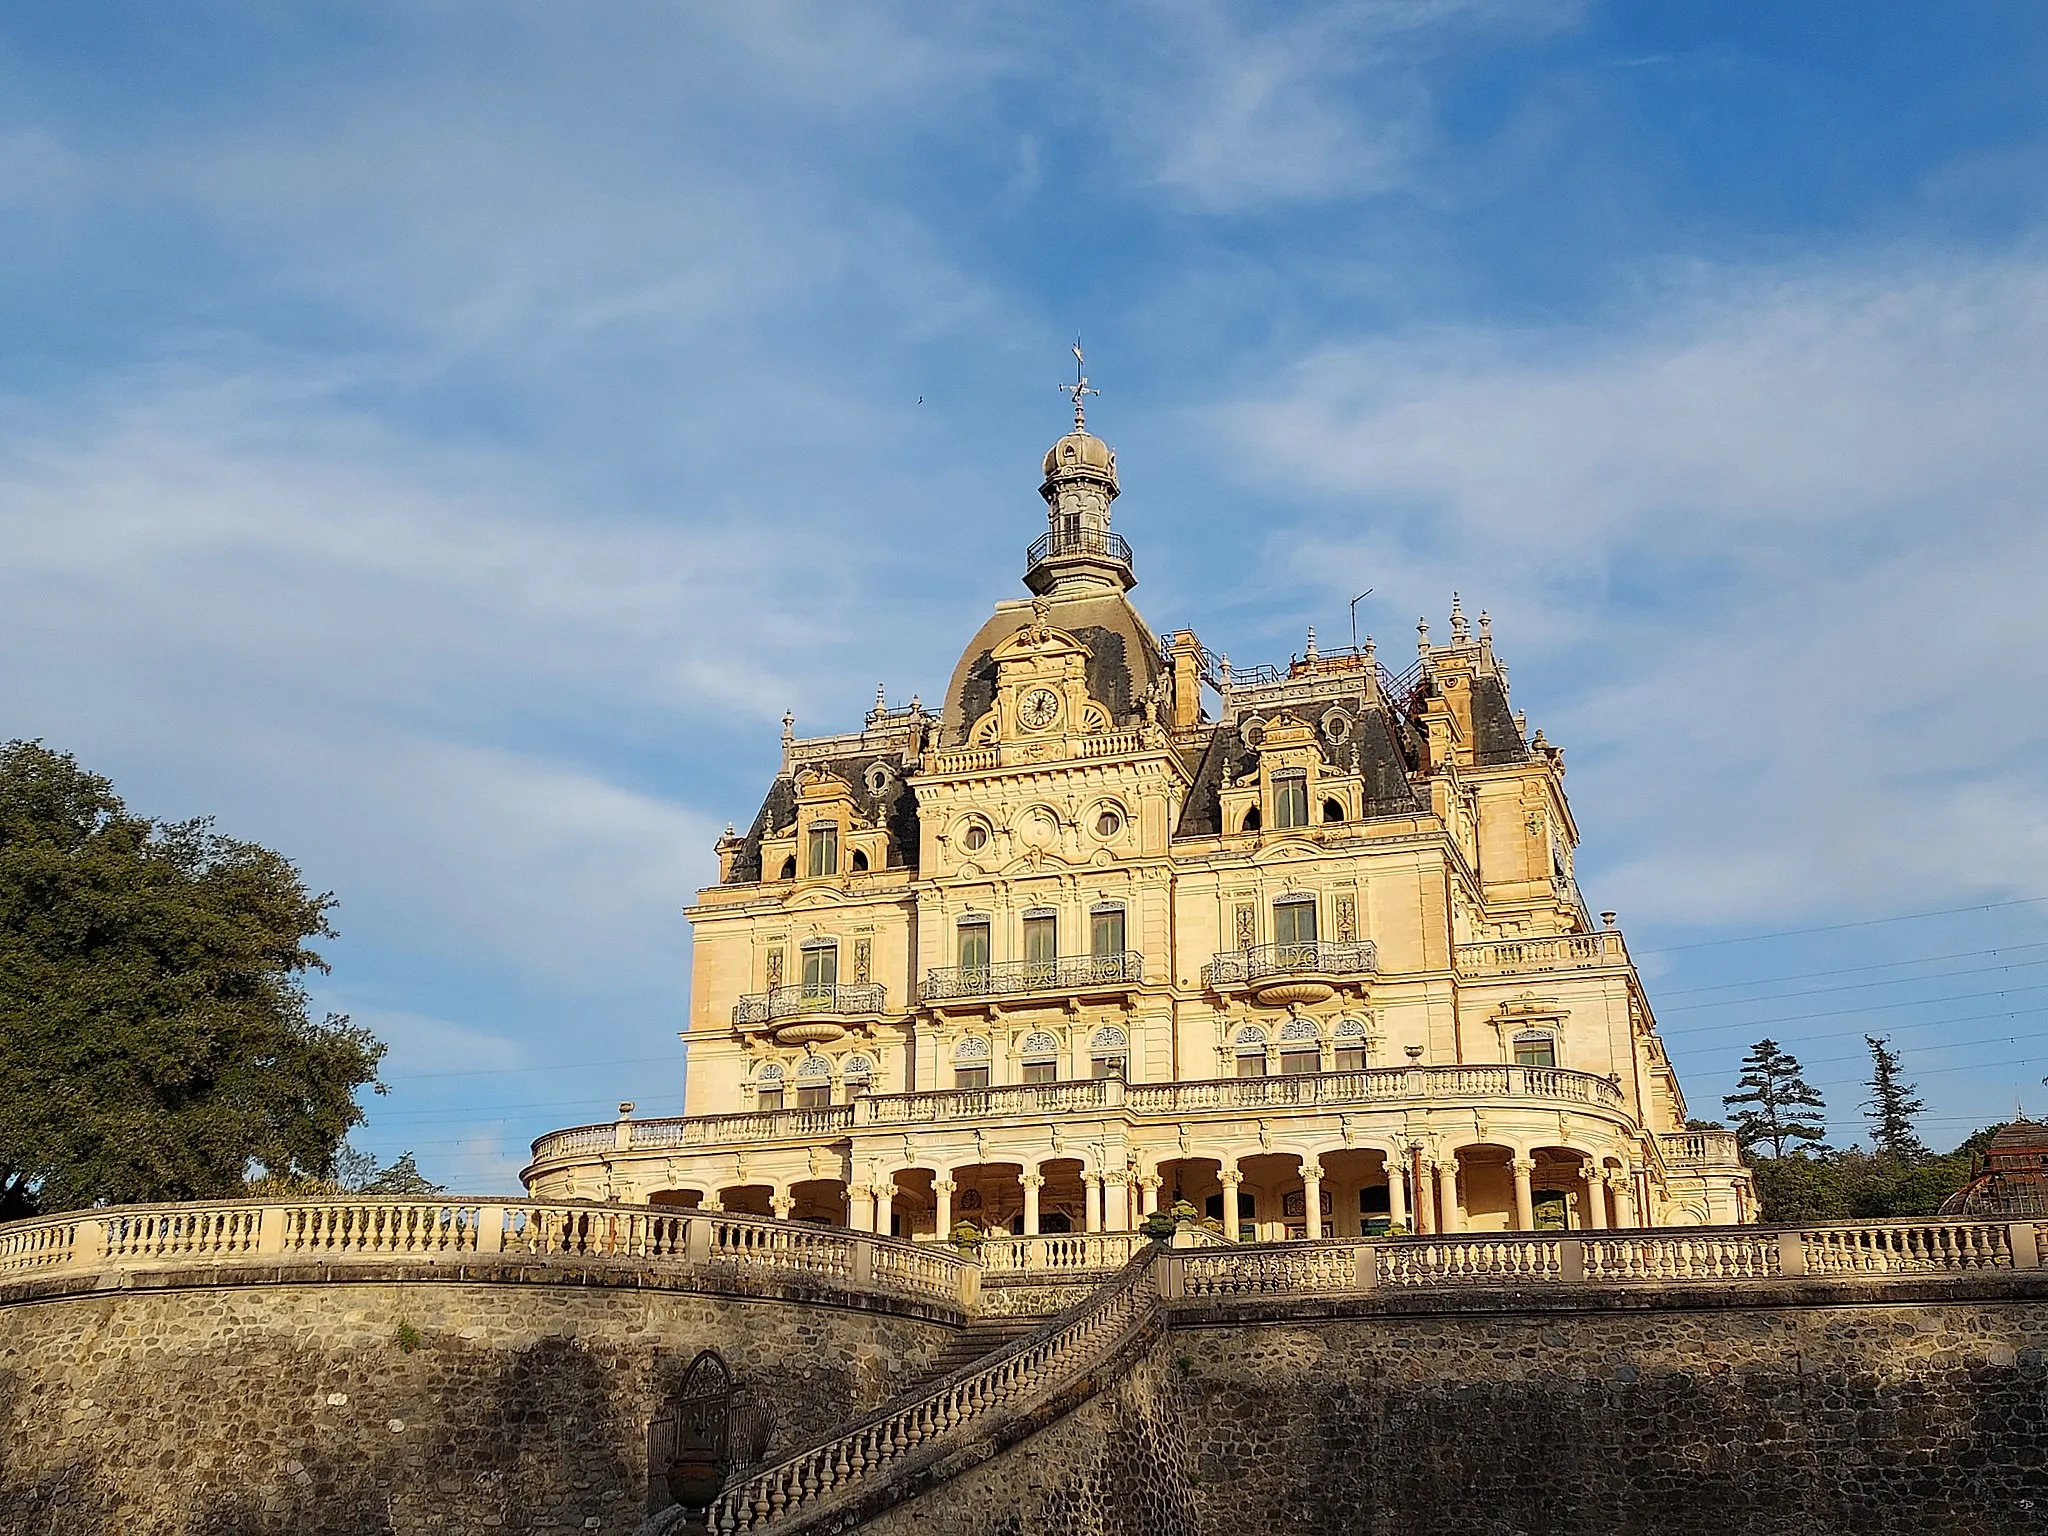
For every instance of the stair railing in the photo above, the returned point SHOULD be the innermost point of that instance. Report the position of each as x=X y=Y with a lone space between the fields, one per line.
x=815 y=1479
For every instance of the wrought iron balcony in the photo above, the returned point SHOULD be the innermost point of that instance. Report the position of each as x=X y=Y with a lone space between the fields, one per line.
x=801 y=1001
x=1268 y=962
x=1073 y=973
x=1077 y=541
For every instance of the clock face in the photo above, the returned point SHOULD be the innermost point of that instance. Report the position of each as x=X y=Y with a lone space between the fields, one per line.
x=1038 y=709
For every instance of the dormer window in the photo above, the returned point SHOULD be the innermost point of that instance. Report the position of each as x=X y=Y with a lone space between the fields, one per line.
x=822 y=850
x=1290 y=800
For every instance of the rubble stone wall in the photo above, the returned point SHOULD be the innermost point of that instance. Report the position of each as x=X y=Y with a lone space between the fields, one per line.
x=1808 y=1411
x=511 y=1400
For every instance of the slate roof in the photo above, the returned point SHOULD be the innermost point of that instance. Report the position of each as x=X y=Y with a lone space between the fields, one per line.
x=897 y=803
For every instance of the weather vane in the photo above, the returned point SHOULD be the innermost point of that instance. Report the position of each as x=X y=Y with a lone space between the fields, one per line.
x=1079 y=388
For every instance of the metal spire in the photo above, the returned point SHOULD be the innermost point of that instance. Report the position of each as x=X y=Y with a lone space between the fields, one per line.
x=1079 y=388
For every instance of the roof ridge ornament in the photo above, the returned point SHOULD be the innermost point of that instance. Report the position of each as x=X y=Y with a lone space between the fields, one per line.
x=1079 y=389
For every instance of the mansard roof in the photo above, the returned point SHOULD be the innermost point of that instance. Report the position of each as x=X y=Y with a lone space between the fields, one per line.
x=895 y=803
x=1124 y=660
x=1375 y=744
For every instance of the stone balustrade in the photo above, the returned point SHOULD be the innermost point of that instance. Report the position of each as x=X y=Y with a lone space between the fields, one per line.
x=824 y=1481
x=1379 y=1086
x=1054 y=1253
x=372 y=1230
x=1649 y=1256
x=1560 y=952
x=1701 y=1149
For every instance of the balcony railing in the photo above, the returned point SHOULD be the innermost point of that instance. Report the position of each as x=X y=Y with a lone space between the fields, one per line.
x=1074 y=973
x=1701 y=1149
x=1317 y=957
x=1562 y=952
x=794 y=1002
x=1376 y=1085
x=1077 y=541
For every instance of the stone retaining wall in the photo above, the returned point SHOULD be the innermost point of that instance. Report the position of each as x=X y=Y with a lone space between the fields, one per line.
x=1836 y=1409
x=500 y=1397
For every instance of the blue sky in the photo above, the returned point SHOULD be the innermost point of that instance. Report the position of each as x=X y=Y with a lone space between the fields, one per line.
x=441 y=439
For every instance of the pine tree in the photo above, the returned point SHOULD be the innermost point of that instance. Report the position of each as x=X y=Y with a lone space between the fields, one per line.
x=1891 y=1105
x=1776 y=1105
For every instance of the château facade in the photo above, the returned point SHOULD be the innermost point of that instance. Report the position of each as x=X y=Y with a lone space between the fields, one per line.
x=1120 y=927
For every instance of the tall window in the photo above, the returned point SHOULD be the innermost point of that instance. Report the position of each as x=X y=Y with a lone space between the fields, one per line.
x=1294 y=927
x=1350 y=1042
x=1290 y=800
x=973 y=944
x=858 y=1075
x=768 y=1094
x=1251 y=1052
x=1535 y=1048
x=821 y=968
x=822 y=857
x=1109 y=1053
x=1106 y=931
x=1041 y=943
x=1301 y=1051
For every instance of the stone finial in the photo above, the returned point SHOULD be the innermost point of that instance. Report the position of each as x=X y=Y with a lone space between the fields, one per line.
x=1537 y=740
x=881 y=701
x=1607 y=919
x=1460 y=630
x=1370 y=650
x=626 y=1107
x=1522 y=723
x=1422 y=637
x=1311 y=643
x=917 y=704
x=1485 y=627
x=788 y=726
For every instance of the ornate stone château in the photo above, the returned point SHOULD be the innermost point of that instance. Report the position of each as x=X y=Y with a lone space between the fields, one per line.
x=1121 y=927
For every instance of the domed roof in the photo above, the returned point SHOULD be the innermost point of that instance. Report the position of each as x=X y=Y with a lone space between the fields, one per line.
x=1081 y=453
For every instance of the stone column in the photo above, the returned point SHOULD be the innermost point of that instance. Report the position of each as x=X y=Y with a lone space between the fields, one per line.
x=1595 y=1208
x=781 y=1205
x=1093 y=1182
x=1623 y=1200
x=1312 y=1197
x=1230 y=1178
x=1148 y=1193
x=1397 y=1193
x=1425 y=1197
x=1033 y=1182
x=1447 y=1196
x=885 y=1208
x=1525 y=1194
x=942 y=1218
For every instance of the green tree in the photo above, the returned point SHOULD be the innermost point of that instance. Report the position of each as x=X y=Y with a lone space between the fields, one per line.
x=155 y=1042
x=1775 y=1104
x=401 y=1178
x=1892 y=1104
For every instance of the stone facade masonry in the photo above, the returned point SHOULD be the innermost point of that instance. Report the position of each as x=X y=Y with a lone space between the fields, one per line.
x=206 y=1404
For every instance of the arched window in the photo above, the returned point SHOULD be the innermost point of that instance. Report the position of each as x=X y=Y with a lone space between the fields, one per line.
x=1535 y=1048
x=768 y=1086
x=1301 y=1048
x=789 y=867
x=859 y=1075
x=1333 y=810
x=821 y=967
x=860 y=862
x=1109 y=1053
x=1349 y=1036
x=970 y=1062
x=1251 y=1051
x=1251 y=822
x=1040 y=1054
x=813 y=1083
x=1290 y=800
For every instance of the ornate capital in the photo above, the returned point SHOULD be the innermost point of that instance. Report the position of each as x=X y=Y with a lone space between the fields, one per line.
x=1149 y=1181
x=944 y=1186
x=1524 y=1165
x=1033 y=1181
x=1312 y=1171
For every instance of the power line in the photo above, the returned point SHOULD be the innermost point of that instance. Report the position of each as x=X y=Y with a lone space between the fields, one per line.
x=1856 y=986
x=1836 y=1013
x=1846 y=970
x=1869 y=922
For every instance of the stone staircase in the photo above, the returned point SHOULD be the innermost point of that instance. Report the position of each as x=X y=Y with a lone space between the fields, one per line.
x=993 y=1378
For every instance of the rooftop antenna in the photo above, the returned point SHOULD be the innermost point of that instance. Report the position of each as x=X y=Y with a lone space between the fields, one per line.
x=1354 y=615
x=1079 y=388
